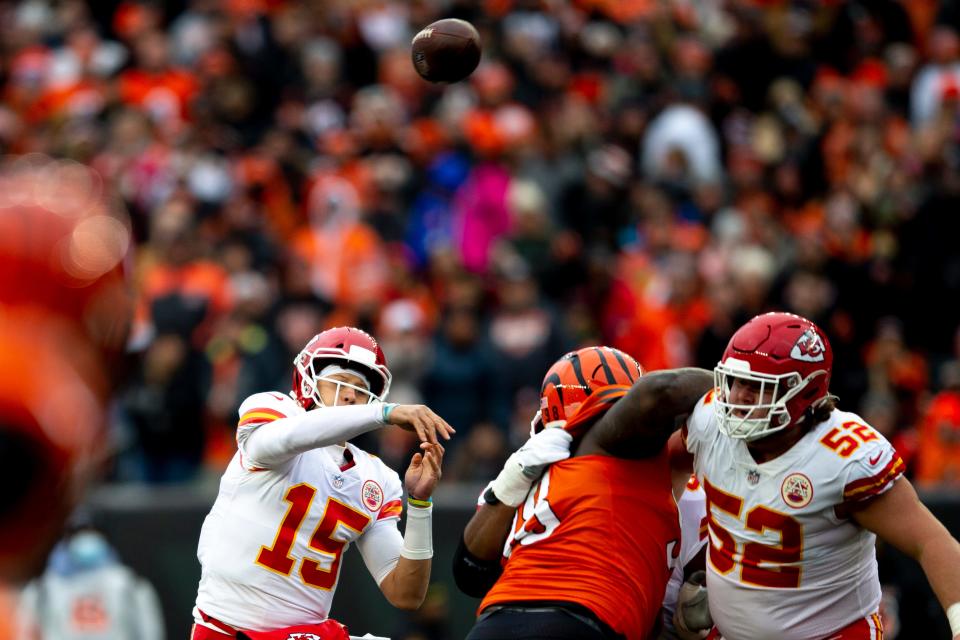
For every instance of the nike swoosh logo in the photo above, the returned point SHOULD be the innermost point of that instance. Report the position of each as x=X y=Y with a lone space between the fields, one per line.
x=877 y=459
x=278 y=396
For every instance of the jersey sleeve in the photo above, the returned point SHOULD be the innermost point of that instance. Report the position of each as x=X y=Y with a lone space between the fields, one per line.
x=693 y=521
x=695 y=430
x=392 y=495
x=381 y=542
x=872 y=470
x=380 y=547
x=257 y=410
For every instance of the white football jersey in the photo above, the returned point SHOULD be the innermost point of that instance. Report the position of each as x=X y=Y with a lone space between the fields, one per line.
x=782 y=565
x=692 y=506
x=271 y=546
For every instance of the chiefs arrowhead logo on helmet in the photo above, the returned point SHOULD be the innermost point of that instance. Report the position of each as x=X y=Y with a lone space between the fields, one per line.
x=809 y=347
x=788 y=359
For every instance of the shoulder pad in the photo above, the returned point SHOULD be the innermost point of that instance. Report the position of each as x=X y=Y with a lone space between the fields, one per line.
x=266 y=407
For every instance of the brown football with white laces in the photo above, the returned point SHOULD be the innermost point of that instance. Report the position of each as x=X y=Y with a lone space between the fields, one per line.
x=447 y=50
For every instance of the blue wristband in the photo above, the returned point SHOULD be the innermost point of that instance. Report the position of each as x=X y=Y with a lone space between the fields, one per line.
x=387 y=408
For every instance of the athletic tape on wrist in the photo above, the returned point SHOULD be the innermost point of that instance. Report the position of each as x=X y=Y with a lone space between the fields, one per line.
x=418 y=536
x=512 y=485
x=953 y=616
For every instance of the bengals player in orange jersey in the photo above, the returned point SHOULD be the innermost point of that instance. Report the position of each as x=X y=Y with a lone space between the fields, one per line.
x=592 y=540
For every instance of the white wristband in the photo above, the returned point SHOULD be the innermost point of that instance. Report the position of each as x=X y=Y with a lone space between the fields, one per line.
x=418 y=536
x=511 y=485
x=953 y=616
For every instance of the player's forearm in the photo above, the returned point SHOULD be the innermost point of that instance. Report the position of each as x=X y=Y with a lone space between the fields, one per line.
x=639 y=425
x=406 y=586
x=276 y=442
x=940 y=558
x=487 y=531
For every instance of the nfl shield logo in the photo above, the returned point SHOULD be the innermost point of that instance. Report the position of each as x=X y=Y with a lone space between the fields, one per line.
x=337 y=481
x=753 y=477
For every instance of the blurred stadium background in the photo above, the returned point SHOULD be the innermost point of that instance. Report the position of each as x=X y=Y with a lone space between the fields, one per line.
x=641 y=173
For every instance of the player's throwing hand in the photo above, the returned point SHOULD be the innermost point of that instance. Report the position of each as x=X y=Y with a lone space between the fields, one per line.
x=421 y=419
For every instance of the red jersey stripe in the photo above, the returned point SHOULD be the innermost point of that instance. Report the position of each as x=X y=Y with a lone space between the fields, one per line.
x=260 y=415
x=392 y=509
x=865 y=487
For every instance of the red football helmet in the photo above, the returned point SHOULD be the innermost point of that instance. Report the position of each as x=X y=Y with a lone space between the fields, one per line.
x=347 y=348
x=790 y=359
x=575 y=376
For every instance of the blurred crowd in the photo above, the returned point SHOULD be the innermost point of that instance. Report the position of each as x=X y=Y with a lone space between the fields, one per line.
x=640 y=173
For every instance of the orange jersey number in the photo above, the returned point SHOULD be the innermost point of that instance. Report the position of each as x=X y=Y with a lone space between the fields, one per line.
x=846 y=438
x=781 y=561
x=277 y=557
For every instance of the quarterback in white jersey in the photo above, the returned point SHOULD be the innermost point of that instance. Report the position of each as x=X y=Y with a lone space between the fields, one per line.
x=797 y=492
x=296 y=495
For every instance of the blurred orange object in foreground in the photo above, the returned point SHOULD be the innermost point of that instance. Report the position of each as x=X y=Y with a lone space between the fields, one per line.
x=64 y=317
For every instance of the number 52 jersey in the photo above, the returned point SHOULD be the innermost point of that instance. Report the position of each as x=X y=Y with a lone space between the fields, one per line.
x=784 y=562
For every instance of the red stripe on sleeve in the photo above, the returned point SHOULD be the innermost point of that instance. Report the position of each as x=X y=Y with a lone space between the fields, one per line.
x=392 y=509
x=867 y=487
x=260 y=415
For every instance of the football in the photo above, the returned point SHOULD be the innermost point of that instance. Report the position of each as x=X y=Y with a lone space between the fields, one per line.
x=446 y=51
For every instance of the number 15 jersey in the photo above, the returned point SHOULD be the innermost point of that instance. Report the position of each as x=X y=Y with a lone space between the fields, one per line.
x=272 y=544
x=783 y=563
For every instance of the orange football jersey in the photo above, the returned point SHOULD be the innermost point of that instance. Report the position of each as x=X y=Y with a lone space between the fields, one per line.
x=598 y=531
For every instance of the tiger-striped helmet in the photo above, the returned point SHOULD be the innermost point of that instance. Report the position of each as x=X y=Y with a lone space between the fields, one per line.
x=575 y=376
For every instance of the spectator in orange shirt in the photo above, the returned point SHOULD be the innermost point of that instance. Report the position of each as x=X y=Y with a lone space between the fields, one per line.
x=155 y=86
x=938 y=455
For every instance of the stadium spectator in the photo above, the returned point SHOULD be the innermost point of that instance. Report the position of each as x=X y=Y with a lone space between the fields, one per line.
x=938 y=446
x=461 y=378
x=87 y=592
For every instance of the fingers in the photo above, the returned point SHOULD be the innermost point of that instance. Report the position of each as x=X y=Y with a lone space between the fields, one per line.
x=437 y=425
x=423 y=421
x=417 y=459
x=429 y=425
x=435 y=453
x=443 y=427
x=429 y=445
x=423 y=432
x=432 y=459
